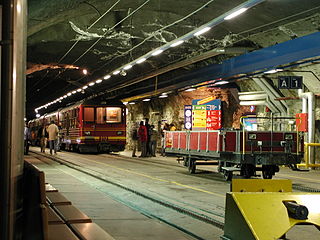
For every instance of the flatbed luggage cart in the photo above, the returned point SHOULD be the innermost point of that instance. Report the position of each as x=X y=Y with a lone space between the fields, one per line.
x=238 y=150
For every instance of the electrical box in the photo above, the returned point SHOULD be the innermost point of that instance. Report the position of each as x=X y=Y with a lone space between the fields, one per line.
x=302 y=122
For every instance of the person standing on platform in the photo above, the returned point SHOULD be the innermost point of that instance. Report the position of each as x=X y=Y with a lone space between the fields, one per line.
x=163 y=132
x=53 y=136
x=59 y=139
x=143 y=138
x=43 y=136
x=153 y=140
x=148 y=137
x=134 y=138
x=27 y=139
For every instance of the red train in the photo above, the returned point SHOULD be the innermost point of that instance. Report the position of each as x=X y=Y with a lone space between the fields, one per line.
x=88 y=126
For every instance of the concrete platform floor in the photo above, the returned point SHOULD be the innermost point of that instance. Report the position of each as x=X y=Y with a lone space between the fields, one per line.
x=120 y=222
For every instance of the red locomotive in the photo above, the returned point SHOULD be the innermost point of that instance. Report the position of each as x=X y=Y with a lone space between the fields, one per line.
x=88 y=126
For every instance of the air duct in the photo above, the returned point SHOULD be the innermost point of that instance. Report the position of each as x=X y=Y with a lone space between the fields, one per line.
x=255 y=99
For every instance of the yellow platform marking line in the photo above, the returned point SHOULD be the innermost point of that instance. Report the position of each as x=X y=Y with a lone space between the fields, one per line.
x=160 y=179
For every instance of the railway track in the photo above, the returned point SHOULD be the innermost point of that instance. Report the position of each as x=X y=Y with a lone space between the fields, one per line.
x=178 y=214
x=161 y=207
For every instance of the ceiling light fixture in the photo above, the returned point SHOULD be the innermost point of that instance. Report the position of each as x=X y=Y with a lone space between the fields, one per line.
x=69 y=94
x=91 y=84
x=221 y=82
x=132 y=103
x=203 y=30
x=106 y=77
x=236 y=13
x=127 y=67
x=84 y=87
x=141 y=60
x=37 y=115
x=99 y=81
x=73 y=92
x=116 y=72
x=176 y=43
x=157 y=52
x=79 y=90
x=273 y=71
x=146 y=100
x=85 y=71
x=163 y=96
x=190 y=90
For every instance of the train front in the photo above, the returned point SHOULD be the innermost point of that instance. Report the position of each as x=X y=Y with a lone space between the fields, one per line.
x=102 y=128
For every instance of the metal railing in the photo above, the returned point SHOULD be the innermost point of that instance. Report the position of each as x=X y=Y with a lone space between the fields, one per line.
x=307 y=163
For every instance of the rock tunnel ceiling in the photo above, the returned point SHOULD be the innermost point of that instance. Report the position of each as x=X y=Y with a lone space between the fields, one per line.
x=66 y=36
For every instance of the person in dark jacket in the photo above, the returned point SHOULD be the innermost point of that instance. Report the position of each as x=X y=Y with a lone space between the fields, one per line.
x=27 y=139
x=43 y=136
x=143 y=138
x=134 y=138
x=153 y=140
x=148 y=127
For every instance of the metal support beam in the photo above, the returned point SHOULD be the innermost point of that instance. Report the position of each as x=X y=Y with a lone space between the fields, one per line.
x=12 y=100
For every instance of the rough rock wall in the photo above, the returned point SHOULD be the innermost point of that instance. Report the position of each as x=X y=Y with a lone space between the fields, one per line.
x=171 y=109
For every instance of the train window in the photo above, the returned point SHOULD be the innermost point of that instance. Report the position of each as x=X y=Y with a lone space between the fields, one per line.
x=101 y=115
x=113 y=115
x=89 y=114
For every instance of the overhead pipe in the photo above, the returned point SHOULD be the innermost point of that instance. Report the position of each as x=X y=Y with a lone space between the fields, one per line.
x=308 y=105
x=255 y=103
x=259 y=95
x=251 y=93
x=259 y=103
x=272 y=95
x=253 y=97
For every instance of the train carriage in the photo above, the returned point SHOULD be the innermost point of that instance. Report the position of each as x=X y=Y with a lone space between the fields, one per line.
x=237 y=150
x=89 y=126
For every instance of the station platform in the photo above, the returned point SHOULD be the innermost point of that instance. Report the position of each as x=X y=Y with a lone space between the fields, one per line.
x=122 y=222
x=118 y=220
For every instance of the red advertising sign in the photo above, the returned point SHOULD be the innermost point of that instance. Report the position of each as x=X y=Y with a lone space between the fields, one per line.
x=213 y=119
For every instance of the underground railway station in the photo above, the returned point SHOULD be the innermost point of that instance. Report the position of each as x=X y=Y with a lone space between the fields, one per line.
x=158 y=119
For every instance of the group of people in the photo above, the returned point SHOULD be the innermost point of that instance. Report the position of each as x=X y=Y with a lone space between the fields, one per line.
x=47 y=132
x=147 y=135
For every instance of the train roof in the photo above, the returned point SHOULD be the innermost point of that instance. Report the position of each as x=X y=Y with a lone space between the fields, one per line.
x=86 y=102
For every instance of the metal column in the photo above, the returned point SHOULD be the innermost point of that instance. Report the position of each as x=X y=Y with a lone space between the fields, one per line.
x=12 y=102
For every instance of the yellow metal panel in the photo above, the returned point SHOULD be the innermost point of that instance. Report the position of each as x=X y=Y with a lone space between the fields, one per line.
x=267 y=217
x=261 y=185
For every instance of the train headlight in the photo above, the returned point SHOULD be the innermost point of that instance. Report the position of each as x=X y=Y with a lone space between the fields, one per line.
x=288 y=136
x=119 y=133
x=88 y=133
x=252 y=136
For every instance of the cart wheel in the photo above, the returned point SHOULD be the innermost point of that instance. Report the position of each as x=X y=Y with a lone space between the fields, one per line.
x=191 y=166
x=267 y=172
x=185 y=162
x=228 y=175
x=247 y=170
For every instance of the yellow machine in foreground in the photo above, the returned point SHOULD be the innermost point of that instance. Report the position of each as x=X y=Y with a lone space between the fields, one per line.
x=267 y=209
